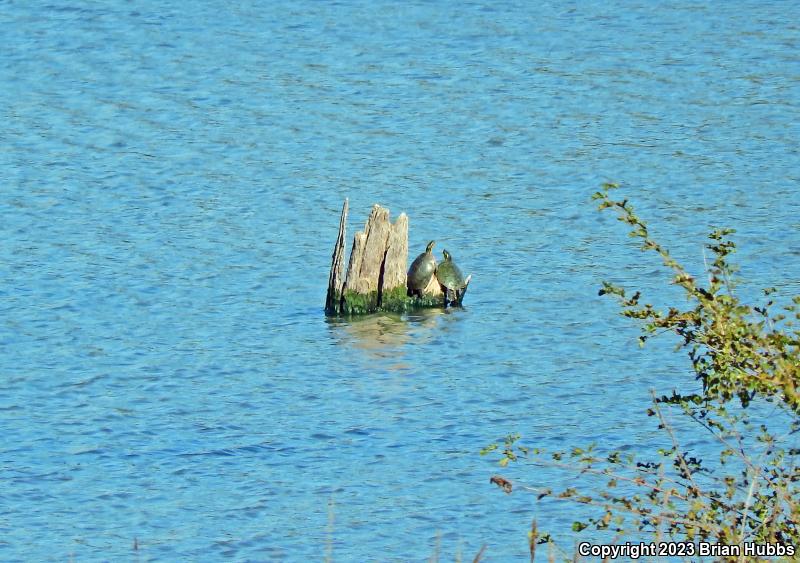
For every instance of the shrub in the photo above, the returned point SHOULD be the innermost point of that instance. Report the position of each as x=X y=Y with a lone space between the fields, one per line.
x=742 y=354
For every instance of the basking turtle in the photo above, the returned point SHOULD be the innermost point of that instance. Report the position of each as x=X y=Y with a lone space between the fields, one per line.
x=421 y=271
x=453 y=282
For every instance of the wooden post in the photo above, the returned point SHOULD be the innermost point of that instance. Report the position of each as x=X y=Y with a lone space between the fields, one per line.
x=336 y=279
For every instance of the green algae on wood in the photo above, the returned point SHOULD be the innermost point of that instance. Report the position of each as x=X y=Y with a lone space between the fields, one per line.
x=398 y=301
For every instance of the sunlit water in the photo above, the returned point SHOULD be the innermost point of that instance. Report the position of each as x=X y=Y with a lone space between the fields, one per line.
x=172 y=175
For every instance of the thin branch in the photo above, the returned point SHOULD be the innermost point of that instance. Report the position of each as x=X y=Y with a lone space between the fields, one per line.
x=671 y=516
x=675 y=444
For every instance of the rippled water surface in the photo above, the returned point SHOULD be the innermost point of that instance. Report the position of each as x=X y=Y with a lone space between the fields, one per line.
x=172 y=175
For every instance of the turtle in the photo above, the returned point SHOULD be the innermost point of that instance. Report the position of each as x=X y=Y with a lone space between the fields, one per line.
x=421 y=271
x=453 y=282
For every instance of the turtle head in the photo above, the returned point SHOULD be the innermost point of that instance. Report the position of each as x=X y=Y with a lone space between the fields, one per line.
x=430 y=246
x=446 y=255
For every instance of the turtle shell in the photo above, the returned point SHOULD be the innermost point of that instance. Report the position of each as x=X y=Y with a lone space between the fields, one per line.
x=421 y=271
x=450 y=275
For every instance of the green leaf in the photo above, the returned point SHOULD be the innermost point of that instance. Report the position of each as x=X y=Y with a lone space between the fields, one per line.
x=578 y=526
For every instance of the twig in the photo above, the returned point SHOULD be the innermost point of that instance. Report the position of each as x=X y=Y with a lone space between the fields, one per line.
x=740 y=451
x=329 y=538
x=437 y=548
x=616 y=476
x=675 y=444
x=672 y=516
x=705 y=265
x=660 y=528
x=750 y=491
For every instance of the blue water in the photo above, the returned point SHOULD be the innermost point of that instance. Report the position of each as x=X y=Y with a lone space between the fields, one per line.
x=172 y=175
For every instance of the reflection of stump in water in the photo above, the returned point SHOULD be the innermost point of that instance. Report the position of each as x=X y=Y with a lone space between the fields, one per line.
x=381 y=337
x=384 y=338
x=376 y=272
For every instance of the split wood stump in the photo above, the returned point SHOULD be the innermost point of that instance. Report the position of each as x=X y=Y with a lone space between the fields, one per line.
x=376 y=272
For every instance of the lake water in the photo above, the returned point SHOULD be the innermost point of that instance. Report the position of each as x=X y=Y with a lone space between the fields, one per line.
x=172 y=179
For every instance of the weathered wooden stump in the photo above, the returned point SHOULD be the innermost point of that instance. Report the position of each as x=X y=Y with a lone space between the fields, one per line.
x=376 y=273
